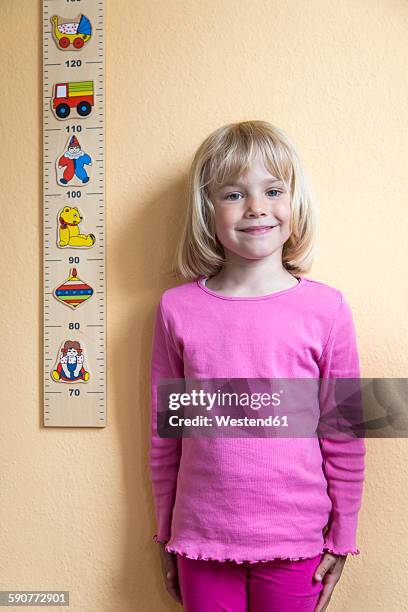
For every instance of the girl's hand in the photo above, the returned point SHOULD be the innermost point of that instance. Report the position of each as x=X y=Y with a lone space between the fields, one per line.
x=330 y=569
x=170 y=573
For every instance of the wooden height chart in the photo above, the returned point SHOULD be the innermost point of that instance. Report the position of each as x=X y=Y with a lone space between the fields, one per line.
x=74 y=213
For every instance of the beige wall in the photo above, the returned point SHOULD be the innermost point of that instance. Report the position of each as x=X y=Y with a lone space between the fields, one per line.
x=76 y=506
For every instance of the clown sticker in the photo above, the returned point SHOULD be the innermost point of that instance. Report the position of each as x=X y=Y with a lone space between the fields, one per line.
x=73 y=162
x=70 y=366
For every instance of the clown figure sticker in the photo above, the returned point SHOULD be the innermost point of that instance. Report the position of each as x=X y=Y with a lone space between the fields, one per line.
x=73 y=166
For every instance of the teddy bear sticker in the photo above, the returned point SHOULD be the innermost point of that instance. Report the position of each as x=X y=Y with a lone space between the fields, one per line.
x=73 y=162
x=68 y=229
x=70 y=364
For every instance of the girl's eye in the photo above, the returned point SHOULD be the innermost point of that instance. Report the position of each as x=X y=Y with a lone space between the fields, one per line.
x=227 y=197
x=232 y=194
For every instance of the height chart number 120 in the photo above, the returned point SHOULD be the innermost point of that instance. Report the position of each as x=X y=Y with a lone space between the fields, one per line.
x=74 y=213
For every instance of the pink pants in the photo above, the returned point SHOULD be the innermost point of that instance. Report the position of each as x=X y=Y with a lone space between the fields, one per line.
x=280 y=585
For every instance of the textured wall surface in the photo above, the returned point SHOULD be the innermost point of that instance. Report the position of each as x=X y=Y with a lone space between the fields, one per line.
x=76 y=506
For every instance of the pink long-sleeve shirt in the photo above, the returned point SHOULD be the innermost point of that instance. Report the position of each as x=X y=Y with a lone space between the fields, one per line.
x=255 y=499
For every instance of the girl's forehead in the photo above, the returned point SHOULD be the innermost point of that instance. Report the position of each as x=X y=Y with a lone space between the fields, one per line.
x=251 y=175
x=238 y=167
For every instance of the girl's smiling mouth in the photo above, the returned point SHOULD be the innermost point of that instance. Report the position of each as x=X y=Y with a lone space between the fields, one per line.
x=258 y=229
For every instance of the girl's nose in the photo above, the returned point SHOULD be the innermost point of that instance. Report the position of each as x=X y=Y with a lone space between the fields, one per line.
x=257 y=206
x=257 y=209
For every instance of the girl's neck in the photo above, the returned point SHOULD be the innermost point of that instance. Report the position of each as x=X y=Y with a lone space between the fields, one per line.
x=250 y=282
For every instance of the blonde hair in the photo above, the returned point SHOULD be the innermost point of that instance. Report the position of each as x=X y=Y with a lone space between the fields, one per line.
x=225 y=153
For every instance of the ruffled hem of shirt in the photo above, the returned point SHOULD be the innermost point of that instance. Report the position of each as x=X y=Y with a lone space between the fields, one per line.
x=199 y=556
x=336 y=551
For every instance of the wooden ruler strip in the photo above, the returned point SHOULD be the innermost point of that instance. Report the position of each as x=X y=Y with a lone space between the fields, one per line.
x=74 y=250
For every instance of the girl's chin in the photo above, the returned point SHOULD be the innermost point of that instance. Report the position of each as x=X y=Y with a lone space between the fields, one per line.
x=256 y=252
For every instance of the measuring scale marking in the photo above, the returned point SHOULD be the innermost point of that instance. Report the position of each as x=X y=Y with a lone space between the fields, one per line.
x=74 y=249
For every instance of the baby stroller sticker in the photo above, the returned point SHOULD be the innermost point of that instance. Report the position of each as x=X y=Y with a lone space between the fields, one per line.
x=78 y=95
x=71 y=34
x=73 y=291
x=70 y=366
x=73 y=162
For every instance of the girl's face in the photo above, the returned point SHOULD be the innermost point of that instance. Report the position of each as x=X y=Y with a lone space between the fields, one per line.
x=252 y=200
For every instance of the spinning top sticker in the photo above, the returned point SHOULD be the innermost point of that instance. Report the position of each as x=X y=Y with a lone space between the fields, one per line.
x=73 y=292
x=70 y=365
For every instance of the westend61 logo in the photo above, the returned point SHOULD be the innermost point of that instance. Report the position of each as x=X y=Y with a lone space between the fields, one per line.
x=282 y=407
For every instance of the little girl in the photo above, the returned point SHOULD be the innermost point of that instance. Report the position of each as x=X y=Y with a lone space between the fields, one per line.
x=259 y=524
